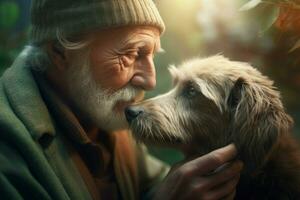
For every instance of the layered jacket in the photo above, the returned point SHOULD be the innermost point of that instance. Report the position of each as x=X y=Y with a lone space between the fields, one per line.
x=35 y=162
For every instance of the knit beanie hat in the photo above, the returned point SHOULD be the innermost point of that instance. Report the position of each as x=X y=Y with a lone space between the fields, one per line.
x=71 y=17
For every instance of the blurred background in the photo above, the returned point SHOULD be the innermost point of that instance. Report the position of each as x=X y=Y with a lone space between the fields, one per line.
x=263 y=33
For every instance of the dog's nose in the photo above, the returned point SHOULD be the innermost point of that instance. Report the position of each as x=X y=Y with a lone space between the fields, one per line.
x=132 y=112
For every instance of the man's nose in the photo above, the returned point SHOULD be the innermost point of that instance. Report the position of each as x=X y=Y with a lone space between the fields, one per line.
x=132 y=112
x=145 y=76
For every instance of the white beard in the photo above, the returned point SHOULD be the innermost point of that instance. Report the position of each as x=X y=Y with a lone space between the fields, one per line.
x=94 y=102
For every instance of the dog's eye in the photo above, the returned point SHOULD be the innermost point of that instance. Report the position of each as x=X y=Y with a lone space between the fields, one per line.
x=190 y=91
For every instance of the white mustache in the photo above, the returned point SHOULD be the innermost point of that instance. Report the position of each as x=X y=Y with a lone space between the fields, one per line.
x=127 y=93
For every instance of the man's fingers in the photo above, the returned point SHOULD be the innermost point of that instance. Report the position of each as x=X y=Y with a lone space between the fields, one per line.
x=211 y=176
x=231 y=171
x=211 y=161
x=206 y=183
x=225 y=191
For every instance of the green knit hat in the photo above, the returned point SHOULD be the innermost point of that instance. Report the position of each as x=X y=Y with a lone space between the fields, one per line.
x=76 y=16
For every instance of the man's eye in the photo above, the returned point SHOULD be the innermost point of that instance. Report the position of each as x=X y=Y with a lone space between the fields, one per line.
x=128 y=59
x=132 y=55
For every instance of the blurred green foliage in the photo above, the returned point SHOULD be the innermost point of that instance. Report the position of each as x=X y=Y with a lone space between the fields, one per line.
x=194 y=28
x=14 y=20
x=9 y=13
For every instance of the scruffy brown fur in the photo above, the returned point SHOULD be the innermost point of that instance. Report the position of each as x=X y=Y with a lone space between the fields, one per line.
x=215 y=102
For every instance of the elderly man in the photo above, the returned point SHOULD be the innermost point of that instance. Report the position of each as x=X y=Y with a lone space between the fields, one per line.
x=62 y=124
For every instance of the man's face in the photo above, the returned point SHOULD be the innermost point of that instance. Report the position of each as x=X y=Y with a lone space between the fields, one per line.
x=113 y=73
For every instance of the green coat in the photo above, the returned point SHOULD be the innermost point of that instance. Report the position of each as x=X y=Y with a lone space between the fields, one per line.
x=34 y=163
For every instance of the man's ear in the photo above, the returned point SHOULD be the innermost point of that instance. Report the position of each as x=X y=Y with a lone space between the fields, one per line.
x=57 y=56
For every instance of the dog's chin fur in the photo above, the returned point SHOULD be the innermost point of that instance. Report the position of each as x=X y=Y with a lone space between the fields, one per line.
x=215 y=102
x=161 y=139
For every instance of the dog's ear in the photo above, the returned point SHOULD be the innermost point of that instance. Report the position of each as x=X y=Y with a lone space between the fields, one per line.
x=175 y=74
x=235 y=94
x=257 y=121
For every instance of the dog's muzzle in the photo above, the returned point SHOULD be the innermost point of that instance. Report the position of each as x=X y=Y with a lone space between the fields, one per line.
x=132 y=112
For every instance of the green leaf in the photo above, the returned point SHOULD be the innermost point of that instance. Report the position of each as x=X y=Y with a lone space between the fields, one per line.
x=296 y=46
x=251 y=4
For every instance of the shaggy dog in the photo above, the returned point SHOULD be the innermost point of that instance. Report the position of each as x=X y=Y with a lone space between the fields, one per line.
x=215 y=102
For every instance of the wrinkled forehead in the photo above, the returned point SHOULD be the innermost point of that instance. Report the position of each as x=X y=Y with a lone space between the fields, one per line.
x=128 y=36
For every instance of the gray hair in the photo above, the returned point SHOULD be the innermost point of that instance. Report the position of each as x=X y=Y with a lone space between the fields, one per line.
x=38 y=58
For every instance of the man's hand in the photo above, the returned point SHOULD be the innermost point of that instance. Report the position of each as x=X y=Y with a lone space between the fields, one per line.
x=208 y=177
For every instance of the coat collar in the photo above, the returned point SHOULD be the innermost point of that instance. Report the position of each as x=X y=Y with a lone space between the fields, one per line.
x=27 y=103
x=25 y=98
x=60 y=110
